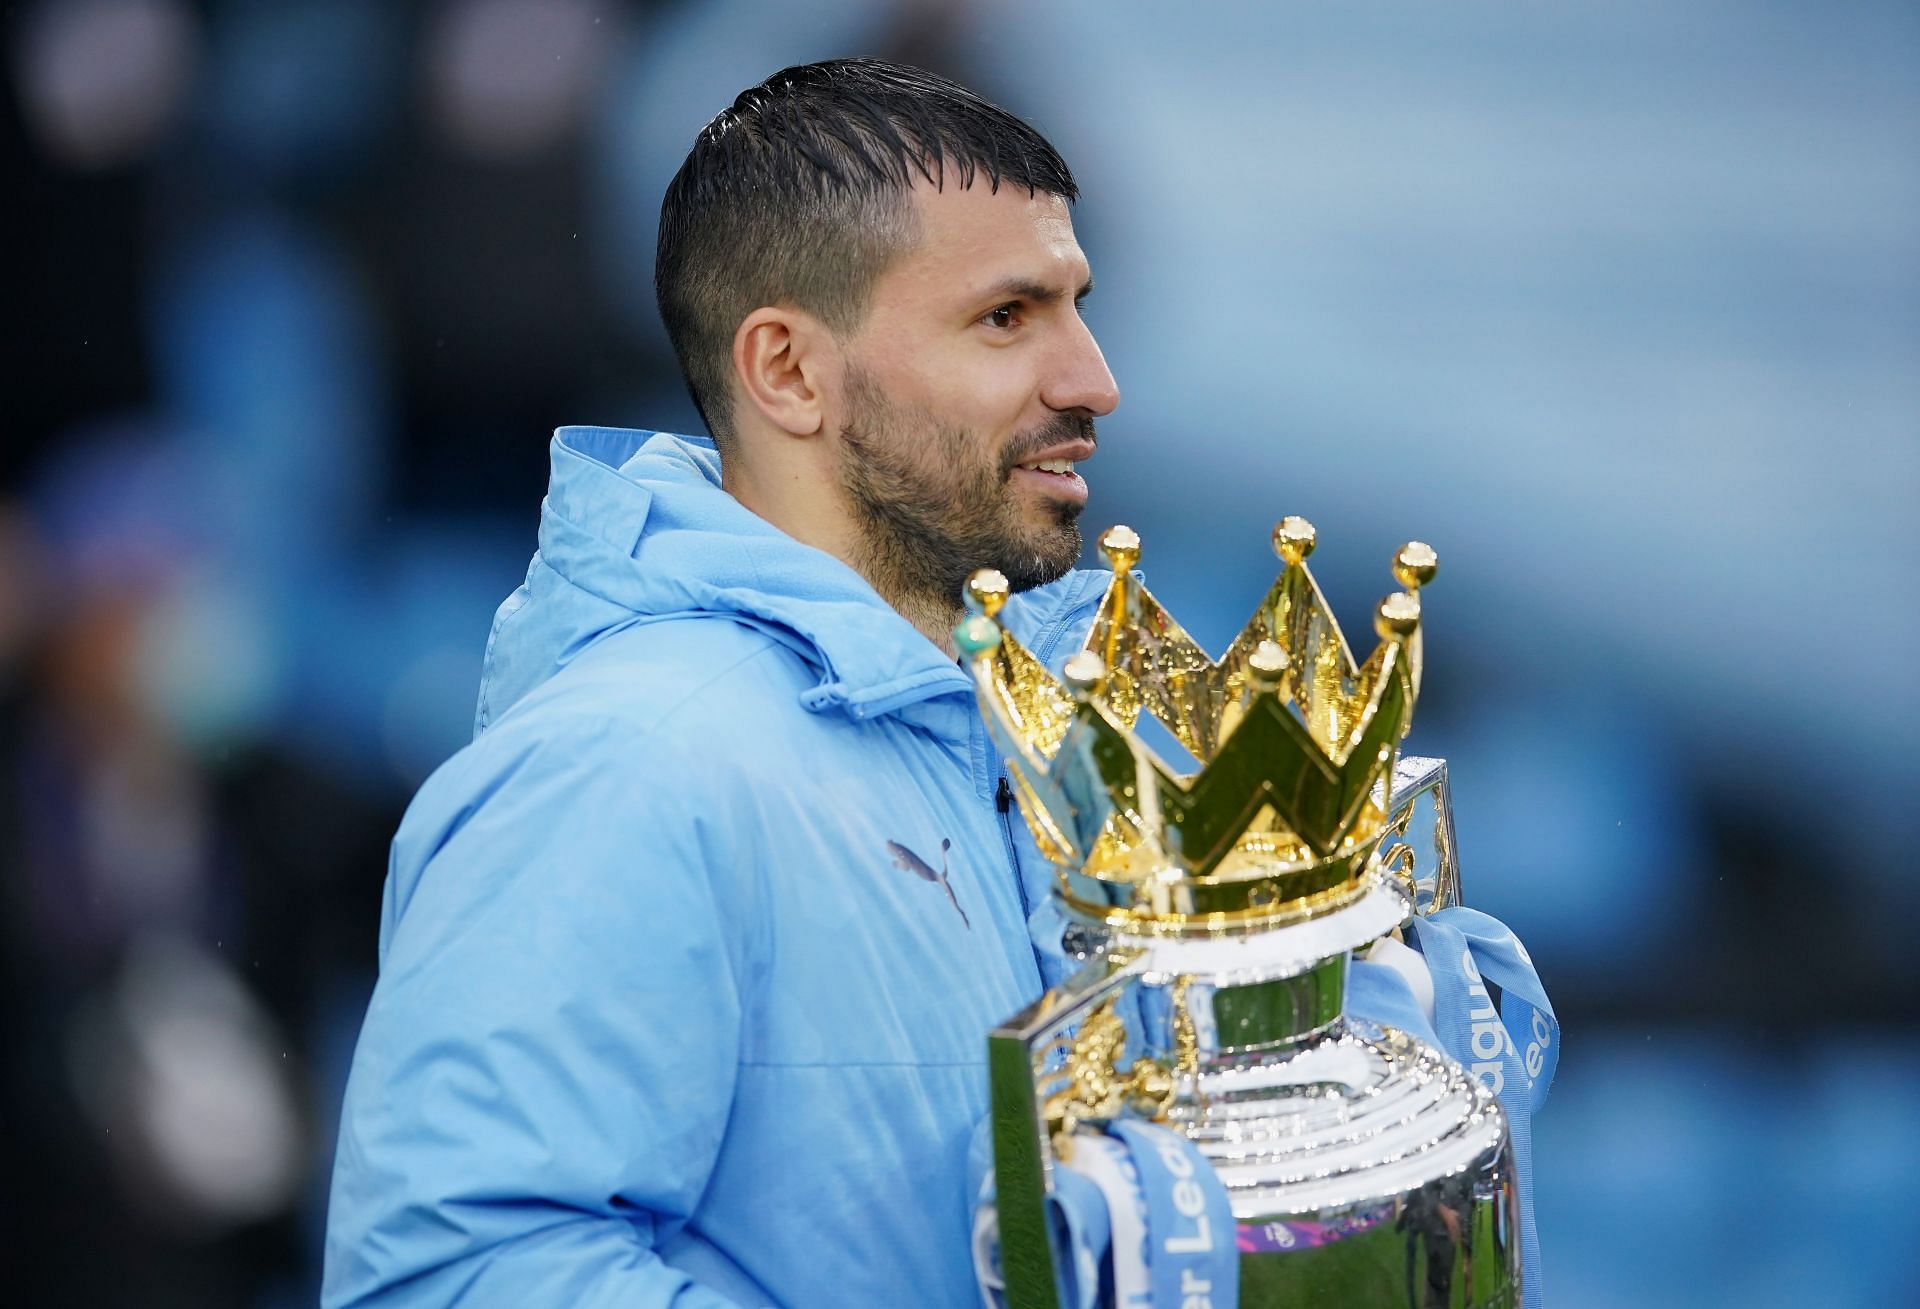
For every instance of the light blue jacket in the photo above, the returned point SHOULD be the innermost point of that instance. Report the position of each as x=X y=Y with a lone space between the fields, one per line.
x=663 y=1017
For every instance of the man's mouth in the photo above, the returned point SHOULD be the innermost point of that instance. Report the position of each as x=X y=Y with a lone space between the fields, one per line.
x=1049 y=459
x=1055 y=477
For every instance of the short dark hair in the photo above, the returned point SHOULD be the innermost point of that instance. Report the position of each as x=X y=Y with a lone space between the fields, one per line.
x=797 y=194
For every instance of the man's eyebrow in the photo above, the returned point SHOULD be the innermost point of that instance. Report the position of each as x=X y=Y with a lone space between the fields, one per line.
x=1025 y=288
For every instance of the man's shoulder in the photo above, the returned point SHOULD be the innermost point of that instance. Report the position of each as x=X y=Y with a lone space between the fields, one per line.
x=645 y=713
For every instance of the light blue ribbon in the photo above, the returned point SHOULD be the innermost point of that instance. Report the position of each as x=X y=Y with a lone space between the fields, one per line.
x=1192 y=1254
x=1192 y=1257
x=1512 y=1047
x=1077 y=1223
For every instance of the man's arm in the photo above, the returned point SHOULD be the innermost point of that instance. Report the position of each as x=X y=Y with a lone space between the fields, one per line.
x=544 y=1076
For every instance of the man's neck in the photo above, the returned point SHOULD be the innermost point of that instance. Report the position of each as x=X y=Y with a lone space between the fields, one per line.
x=803 y=513
x=935 y=618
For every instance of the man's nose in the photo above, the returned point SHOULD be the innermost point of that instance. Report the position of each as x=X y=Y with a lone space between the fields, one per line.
x=1080 y=377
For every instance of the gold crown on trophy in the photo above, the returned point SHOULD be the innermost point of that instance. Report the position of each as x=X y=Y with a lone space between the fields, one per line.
x=1294 y=739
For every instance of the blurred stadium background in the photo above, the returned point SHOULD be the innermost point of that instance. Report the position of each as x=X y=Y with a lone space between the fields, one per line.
x=1618 y=305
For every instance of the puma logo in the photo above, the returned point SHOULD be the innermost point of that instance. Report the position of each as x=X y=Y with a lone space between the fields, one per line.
x=906 y=859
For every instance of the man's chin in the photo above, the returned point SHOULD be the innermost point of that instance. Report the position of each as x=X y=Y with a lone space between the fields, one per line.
x=1044 y=560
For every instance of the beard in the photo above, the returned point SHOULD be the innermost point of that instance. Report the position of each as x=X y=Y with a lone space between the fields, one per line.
x=932 y=505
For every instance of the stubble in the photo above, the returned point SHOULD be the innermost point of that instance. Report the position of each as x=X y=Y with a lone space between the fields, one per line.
x=932 y=506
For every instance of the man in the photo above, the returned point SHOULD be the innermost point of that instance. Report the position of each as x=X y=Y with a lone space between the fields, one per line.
x=688 y=960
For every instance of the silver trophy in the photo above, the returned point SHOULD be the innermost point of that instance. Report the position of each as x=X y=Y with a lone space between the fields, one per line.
x=1217 y=911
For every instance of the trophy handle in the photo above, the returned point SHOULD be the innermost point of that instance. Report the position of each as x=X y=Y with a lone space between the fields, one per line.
x=1023 y=1162
x=1420 y=784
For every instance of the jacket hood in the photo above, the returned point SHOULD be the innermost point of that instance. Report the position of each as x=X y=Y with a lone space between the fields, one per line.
x=635 y=528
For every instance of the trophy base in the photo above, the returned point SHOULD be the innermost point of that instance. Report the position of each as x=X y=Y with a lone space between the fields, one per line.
x=1380 y=1272
x=1362 y=1170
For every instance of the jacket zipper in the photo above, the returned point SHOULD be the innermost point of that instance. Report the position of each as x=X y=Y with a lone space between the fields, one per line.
x=1003 y=802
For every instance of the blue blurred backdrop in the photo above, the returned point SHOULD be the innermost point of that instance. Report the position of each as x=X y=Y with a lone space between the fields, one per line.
x=1617 y=305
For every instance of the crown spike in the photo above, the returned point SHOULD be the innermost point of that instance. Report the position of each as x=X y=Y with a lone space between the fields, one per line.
x=987 y=591
x=1293 y=539
x=1398 y=616
x=1415 y=564
x=1121 y=545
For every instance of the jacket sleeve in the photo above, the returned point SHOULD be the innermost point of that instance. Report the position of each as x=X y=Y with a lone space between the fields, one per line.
x=545 y=1071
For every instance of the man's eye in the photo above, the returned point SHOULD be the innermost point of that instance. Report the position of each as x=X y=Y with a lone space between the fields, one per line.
x=1001 y=317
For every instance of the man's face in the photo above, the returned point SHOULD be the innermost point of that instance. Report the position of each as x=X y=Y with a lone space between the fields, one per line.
x=972 y=387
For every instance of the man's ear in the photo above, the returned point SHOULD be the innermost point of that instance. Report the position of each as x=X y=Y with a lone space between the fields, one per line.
x=784 y=360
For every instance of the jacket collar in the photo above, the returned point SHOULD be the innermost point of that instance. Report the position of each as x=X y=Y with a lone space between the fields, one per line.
x=640 y=520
